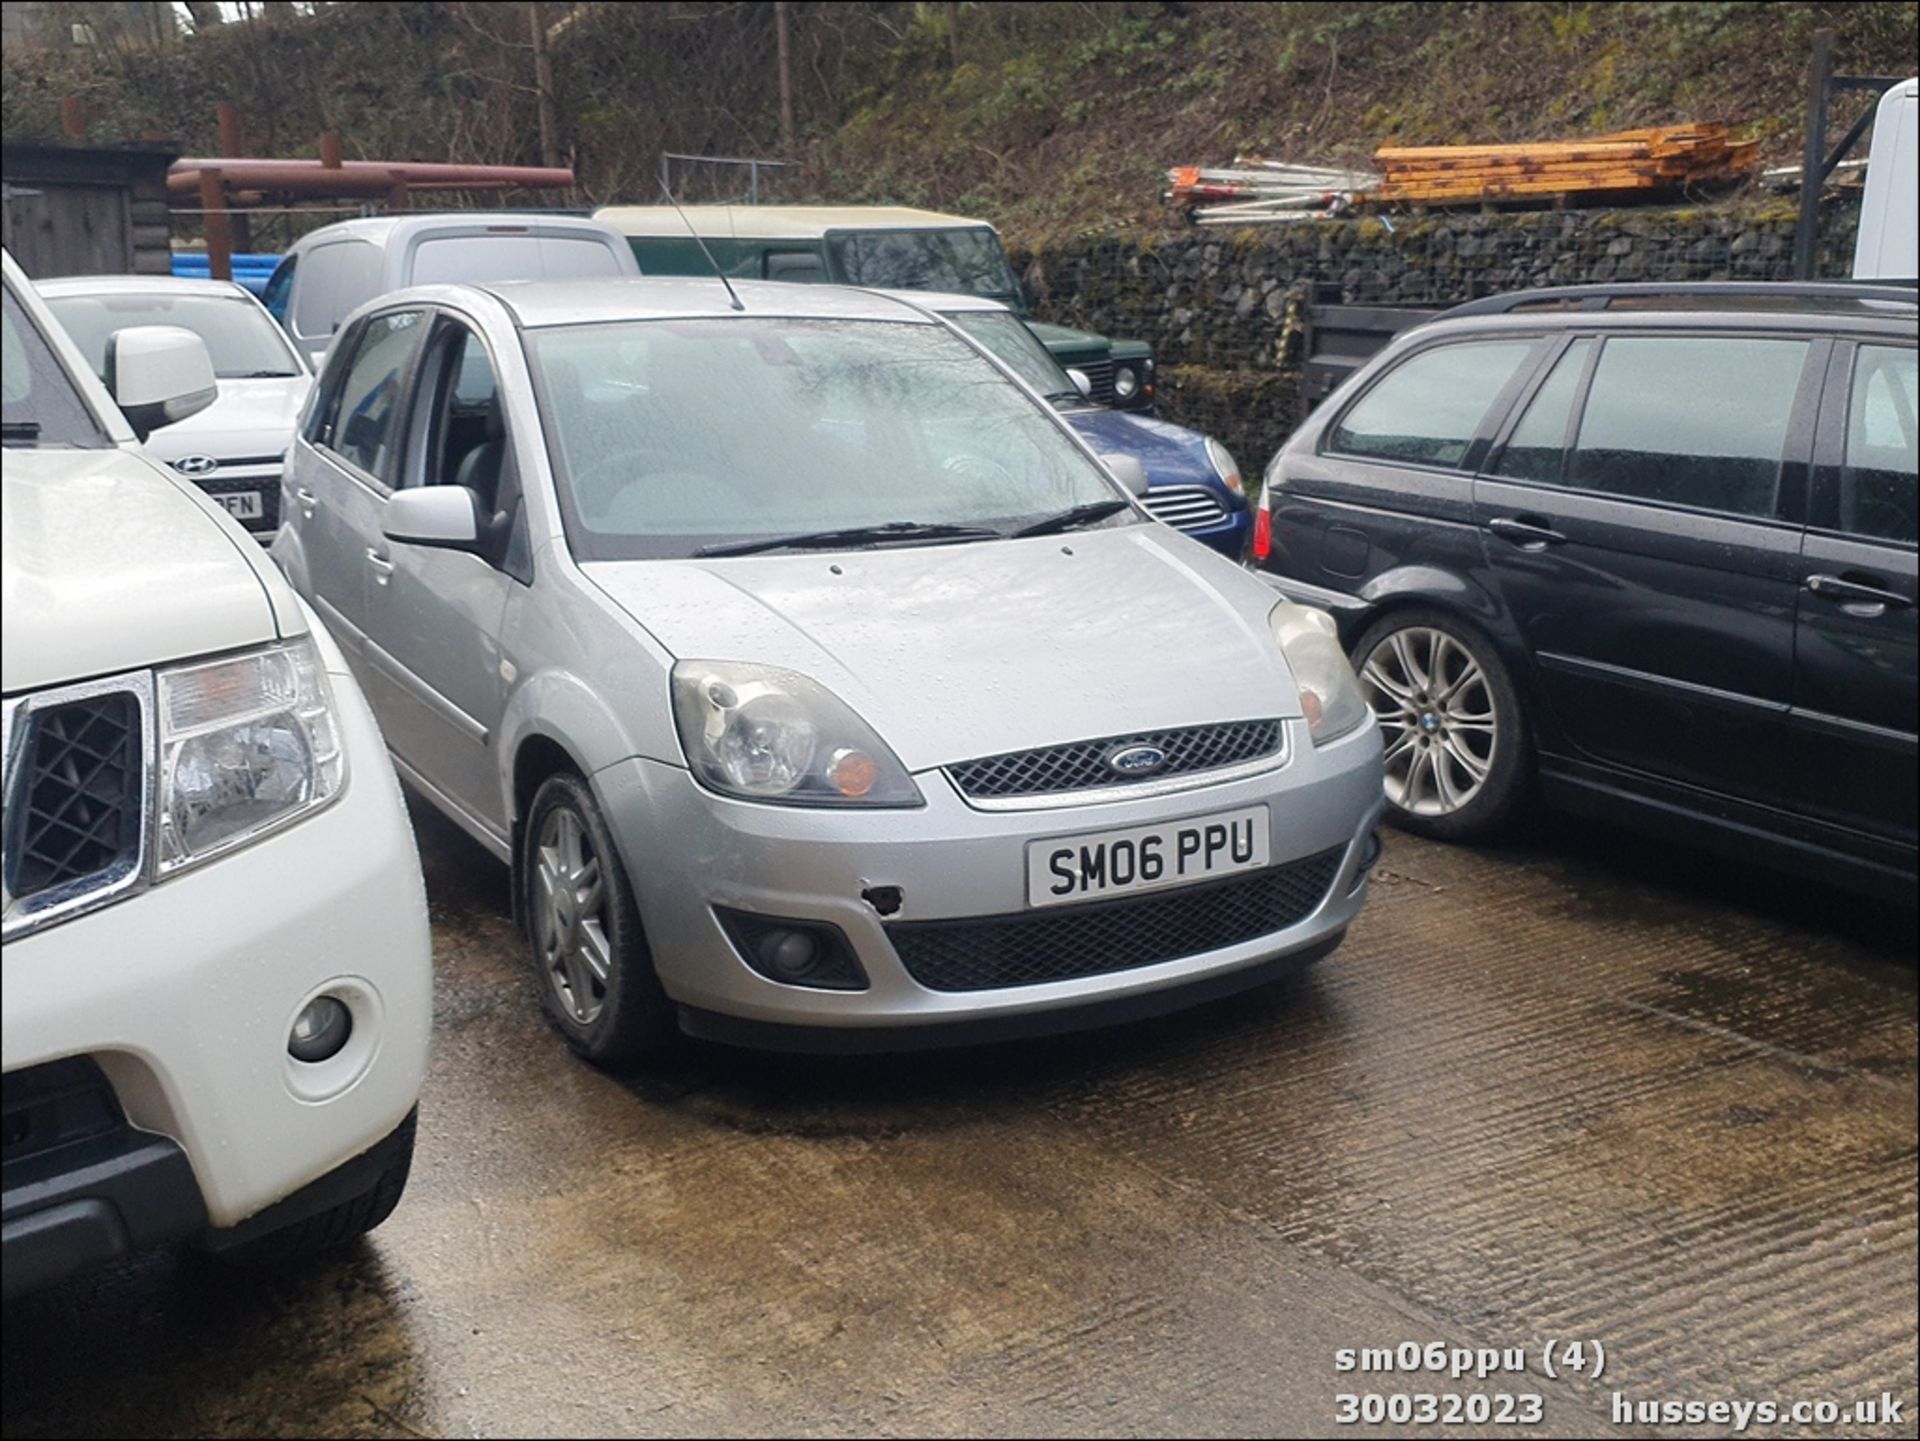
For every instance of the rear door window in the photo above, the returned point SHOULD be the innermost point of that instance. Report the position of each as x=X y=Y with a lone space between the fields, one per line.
x=1427 y=410
x=1877 y=480
x=1697 y=421
x=1537 y=449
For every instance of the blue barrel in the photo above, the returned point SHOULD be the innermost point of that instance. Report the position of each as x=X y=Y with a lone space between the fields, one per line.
x=250 y=269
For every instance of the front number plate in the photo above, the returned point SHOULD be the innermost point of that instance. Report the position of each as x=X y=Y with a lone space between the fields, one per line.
x=242 y=504
x=1146 y=858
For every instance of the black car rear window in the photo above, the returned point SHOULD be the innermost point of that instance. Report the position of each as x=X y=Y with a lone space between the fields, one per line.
x=1427 y=410
x=1877 y=495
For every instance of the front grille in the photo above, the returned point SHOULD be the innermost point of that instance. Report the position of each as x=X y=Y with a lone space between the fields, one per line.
x=76 y=796
x=268 y=521
x=1185 y=507
x=1093 y=940
x=1099 y=374
x=1082 y=765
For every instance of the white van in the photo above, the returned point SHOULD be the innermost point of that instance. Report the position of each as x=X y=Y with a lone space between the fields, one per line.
x=1888 y=247
x=338 y=268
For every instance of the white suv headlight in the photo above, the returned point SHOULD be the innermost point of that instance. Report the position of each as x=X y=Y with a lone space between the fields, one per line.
x=766 y=734
x=1330 y=696
x=246 y=744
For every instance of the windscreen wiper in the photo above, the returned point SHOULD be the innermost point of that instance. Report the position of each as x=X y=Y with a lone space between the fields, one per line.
x=1068 y=519
x=853 y=536
x=20 y=430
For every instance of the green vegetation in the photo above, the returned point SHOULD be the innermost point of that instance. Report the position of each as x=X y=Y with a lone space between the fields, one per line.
x=1052 y=119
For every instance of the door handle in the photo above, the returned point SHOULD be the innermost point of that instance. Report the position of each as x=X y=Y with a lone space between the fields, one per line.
x=308 y=500
x=1525 y=531
x=1857 y=594
x=382 y=567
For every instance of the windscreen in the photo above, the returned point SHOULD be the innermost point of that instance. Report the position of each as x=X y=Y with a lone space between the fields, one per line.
x=669 y=435
x=1019 y=349
x=42 y=406
x=958 y=262
x=242 y=339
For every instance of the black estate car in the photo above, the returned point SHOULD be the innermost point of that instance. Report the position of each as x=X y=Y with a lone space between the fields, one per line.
x=1649 y=547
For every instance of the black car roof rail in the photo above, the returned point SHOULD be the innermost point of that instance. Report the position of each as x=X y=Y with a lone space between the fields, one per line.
x=1697 y=295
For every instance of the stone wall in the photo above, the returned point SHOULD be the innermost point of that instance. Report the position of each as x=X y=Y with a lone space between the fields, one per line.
x=1213 y=301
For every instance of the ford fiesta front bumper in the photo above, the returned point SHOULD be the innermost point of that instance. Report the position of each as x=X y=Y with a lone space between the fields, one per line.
x=950 y=876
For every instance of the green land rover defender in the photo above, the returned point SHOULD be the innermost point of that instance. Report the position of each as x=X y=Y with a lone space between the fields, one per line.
x=879 y=247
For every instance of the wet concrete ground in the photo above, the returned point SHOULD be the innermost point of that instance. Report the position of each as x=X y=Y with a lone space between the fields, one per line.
x=1587 y=1088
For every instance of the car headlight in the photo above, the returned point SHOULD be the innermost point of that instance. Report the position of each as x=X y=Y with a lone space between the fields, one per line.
x=766 y=734
x=1126 y=382
x=1225 y=466
x=246 y=744
x=1330 y=695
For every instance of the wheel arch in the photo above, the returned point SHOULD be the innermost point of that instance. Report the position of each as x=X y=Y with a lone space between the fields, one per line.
x=1463 y=597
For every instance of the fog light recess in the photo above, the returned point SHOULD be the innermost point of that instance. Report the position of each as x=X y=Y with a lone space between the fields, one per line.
x=320 y=1031
x=1369 y=858
x=794 y=953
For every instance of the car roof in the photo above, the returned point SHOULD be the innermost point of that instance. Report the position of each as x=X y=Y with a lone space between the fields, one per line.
x=775 y=222
x=69 y=285
x=1891 y=321
x=399 y=227
x=540 y=303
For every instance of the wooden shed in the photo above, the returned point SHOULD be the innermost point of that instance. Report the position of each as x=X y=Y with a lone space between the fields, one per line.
x=71 y=209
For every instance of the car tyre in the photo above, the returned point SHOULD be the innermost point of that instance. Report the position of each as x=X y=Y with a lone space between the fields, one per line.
x=337 y=1227
x=1458 y=751
x=597 y=980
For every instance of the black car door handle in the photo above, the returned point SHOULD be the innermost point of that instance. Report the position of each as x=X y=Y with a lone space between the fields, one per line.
x=1525 y=531
x=1856 y=591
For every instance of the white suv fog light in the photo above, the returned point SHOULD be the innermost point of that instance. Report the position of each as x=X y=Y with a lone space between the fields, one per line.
x=320 y=1030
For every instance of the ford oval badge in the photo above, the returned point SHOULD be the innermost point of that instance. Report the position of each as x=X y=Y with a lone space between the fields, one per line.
x=1136 y=761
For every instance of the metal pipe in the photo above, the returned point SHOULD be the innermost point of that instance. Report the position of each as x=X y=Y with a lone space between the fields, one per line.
x=314 y=183
x=533 y=177
x=1807 y=231
x=219 y=239
x=228 y=121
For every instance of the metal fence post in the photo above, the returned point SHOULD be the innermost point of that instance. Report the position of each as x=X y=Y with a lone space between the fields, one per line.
x=1812 y=178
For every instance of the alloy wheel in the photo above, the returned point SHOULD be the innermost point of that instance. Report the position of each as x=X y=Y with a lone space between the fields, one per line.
x=570 y=916
x=1438 y=719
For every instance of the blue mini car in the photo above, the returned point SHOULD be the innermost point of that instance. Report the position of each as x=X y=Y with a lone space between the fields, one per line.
x=1194 y=484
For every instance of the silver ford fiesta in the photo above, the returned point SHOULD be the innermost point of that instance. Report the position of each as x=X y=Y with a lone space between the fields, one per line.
x=821 y=689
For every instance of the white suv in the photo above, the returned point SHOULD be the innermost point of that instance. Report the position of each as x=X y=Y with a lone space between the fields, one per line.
x=217 y=968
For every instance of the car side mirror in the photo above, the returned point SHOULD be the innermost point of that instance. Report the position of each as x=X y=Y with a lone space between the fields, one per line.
x=1128 y=471
x=159 y=374
x=442 y=516
x=1082 y=382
